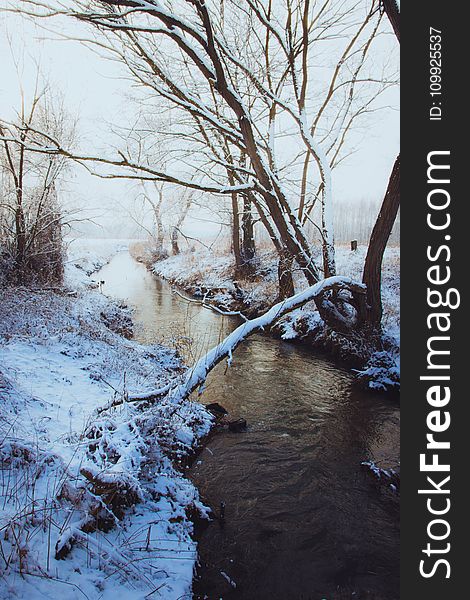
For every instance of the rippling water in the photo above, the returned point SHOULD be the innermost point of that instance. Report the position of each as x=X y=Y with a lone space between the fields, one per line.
x=303 y=520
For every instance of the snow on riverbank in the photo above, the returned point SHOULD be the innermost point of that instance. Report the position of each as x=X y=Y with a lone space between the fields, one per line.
x=92 y=505
x=203 y=272
x=86 y=256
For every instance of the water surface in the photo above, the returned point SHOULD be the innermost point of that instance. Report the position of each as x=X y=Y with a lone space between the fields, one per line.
x=303 y=519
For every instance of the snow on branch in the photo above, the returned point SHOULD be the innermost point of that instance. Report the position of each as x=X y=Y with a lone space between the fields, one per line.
x=130 y=169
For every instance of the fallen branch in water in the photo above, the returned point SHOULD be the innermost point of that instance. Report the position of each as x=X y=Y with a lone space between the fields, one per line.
x=194 y=300
x=204 y=304
x=226 y=313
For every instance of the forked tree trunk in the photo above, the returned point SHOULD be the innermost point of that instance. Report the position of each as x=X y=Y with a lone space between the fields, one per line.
x=372 y=275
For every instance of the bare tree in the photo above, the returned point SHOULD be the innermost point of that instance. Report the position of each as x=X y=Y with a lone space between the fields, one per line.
x=31 y=219
x=156 y=205
x=240 y=80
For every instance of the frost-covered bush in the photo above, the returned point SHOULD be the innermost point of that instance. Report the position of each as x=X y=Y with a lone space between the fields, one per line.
x=36 y=256
x=31 y=213
x=6 y=265
x=118 y=318
x=382 y=372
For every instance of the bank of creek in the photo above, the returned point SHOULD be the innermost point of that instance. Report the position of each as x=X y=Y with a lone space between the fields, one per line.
x=303 y=518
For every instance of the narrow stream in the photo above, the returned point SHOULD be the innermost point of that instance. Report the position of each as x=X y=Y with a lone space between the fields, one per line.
x=303 y=519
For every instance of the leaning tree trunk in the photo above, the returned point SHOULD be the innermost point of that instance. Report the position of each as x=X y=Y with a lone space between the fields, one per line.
x=372 y=275
x=196 y=375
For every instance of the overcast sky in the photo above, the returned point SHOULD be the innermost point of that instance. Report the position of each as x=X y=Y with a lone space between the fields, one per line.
x=92 y=88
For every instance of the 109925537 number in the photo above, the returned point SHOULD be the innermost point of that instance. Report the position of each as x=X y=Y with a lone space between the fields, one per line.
x=435 y=62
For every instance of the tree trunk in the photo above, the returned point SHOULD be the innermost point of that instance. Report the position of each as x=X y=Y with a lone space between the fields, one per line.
x=160 y=236
x=284 y=273
x=391 y=8
x=236 y=234
x=248 y=251
x=176 y=229
x=196 y=376
x=372 y=275
x=20 y=234
x=174 y=241
x=159 y=229
x=287 y=224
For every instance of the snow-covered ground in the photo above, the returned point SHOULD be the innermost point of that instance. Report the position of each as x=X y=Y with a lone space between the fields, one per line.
x=92 y=503
x=203 y=270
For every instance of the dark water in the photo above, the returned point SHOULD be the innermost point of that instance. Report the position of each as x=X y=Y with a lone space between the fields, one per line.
x=303 y=519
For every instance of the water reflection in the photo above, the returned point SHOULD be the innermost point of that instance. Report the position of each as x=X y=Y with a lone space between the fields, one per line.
x=160 y=314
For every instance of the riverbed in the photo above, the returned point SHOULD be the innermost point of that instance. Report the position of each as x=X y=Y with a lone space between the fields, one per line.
x=303 y=518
